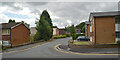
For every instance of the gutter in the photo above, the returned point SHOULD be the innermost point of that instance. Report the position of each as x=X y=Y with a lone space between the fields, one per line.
x=10 y=39
x=95 y=31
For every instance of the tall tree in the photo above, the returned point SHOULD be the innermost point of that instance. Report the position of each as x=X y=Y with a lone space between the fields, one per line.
x=43 y=29
x=48 y=19
x=83 y=29
x=73 y=32
x=73 y=29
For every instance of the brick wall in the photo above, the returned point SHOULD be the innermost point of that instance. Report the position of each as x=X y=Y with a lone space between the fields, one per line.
x=20 y=35
x=105 y=30
x=5 y=37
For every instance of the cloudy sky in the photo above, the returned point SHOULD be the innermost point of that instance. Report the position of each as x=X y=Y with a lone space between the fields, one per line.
x=62 y=13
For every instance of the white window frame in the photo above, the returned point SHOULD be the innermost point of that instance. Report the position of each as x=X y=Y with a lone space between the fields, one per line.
x=8 y=32
x=5 y=44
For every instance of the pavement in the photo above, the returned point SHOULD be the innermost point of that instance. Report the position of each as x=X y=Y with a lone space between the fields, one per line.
x=24 y=47
x=91 y=50
x=48 y=50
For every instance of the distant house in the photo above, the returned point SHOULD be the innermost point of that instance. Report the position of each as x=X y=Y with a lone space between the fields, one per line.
x=14 y=34
x=33 y=31
x=62 y=32
x=55 y=31
x=104 y=27
x=87 y=29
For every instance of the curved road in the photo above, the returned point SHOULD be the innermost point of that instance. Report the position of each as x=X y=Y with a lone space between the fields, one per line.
x=47 y=51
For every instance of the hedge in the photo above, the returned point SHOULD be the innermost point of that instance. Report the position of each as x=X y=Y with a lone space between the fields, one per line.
x=67 y=35
x=61 y=36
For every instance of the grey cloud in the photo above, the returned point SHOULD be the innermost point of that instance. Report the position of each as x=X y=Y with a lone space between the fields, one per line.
x=74 y=11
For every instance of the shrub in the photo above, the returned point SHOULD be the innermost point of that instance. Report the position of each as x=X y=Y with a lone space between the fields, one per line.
x=68 y=35
x=31 y=38
x=74 y=36
x=61 y=36
x=37 y=37
x=118 y=42
x=4 y=48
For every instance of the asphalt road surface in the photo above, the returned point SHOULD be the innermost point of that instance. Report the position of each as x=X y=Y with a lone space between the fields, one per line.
x=47 y=51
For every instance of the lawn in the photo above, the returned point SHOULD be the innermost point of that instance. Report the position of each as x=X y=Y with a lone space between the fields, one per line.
x=82 y=43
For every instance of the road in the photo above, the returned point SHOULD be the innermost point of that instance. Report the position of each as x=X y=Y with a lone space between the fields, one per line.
x=47 y=51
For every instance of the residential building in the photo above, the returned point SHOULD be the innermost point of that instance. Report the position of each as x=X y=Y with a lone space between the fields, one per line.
x=62 y=31
x=104 y=27
x=87 y=29
x=33 y=31
x=14 y=34
x=55 y=31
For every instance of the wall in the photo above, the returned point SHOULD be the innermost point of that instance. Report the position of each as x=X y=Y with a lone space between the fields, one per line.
x=55 y=31
x=105 y=30
x=87 y=30
x=33 y=31
x=62 y=32
x=20 y=35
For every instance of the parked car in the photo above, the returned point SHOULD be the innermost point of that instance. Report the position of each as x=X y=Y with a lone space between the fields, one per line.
x=83 y=38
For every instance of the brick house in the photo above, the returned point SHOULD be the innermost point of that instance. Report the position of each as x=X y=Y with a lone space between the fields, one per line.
x=62 y=31
x=104 y=27
x=14 y=34
x=87 y=29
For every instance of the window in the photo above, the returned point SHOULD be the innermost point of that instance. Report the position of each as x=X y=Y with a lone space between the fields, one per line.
x=5 y=43
x=117 y=19
x=117 y=34
x=5 y=32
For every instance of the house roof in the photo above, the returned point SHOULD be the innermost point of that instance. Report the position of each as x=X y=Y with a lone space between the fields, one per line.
x=102 y=14
x=97 y=14
x=87 y=22
x=8 y=25
x=11 y=25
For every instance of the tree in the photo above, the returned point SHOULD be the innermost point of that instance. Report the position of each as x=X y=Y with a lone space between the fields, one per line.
x=83 y=29
x=11 y=21
x=80 y=26
x=73 y=32
x=68 y=29
x=28 y=25
x=48 y=19
x=54 y=27
x=43 y=29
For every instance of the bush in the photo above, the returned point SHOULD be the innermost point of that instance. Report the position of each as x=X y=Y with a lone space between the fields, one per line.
x=68 y=35
x=36 y=37
x=4 y=48
x=74 y=36
x=118 y=42
x=31 y=38
x=61 y=36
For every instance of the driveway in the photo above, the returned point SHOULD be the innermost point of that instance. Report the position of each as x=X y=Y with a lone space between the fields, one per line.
x=47 y=51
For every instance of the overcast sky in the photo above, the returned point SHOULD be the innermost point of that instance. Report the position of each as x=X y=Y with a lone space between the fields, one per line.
x=61 y=13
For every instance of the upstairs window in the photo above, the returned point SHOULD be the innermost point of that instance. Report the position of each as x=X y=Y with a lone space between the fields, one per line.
x=117 y=34
x=117 y=19
x=6 y=32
